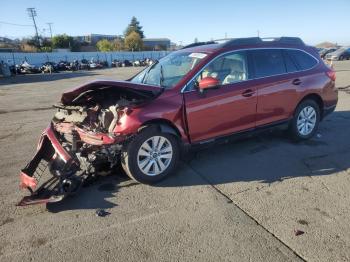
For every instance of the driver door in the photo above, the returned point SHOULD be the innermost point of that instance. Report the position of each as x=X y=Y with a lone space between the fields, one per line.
x=227 y=109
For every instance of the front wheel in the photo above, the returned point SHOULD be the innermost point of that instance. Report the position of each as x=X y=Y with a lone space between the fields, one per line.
x=151 y=155
x=305 y=121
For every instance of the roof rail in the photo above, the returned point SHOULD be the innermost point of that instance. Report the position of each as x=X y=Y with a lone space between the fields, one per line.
x=242 y=41
x=199 y=44
x=285 y=40
x=258 y=40
x=250 y=41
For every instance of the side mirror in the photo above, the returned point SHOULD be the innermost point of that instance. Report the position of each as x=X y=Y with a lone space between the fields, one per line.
x=207 y=83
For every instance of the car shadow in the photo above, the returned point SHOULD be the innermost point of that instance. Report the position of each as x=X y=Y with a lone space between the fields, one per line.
x=267 y=158
x=32 y=78
x=95 y=195
x=270 y=157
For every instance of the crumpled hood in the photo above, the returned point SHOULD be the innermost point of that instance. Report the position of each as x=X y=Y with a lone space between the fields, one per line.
x=69 y=96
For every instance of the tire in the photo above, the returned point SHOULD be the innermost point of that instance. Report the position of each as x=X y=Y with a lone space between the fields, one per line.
x=341 y=58
x=301 y=127
x=136 y=153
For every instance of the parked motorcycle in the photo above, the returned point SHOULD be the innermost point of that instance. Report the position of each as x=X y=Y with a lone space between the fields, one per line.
x=84 y=64
x=116 y=63
x=49 y=67
x=62 y=65
x=126 y=63
x=26 y=68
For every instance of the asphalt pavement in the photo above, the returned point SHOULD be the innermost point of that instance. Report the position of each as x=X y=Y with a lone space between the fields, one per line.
x=259 y=199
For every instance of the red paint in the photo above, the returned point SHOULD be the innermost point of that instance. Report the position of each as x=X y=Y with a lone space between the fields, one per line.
x=56 y=144
x=225 y=110
x=219 y=111
x=27 y=181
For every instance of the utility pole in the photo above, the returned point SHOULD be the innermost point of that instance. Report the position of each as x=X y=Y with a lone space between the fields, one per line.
x=258 y=33
x=50 y=29
x=32 y=13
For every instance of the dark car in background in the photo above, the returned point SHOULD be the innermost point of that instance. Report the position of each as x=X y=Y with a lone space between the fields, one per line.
x=339 y=55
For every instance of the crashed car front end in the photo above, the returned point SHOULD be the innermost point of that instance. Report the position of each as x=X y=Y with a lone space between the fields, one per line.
x=83 y=139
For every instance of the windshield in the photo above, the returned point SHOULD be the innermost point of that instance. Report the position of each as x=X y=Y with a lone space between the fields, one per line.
x=169 y=70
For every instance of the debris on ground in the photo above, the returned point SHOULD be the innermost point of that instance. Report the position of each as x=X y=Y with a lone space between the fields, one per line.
x=298 y=232
x=102 y=213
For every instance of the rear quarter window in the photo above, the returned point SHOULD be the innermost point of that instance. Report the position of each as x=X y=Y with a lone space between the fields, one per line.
x=302 y=59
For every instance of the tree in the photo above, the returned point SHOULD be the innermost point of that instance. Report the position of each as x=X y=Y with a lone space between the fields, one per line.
x=104 y=45
x=118 y=44
x=133 y=42
x=62 y=41
x=134 y=26
x=31 y=44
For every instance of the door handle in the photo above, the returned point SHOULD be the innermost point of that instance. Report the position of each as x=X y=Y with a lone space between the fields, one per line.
x=296 y=82
x=248 y=93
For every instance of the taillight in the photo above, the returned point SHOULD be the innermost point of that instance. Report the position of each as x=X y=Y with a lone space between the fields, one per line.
x=331 y=74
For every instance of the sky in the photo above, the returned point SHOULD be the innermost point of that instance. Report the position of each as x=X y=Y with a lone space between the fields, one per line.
x=182 y=21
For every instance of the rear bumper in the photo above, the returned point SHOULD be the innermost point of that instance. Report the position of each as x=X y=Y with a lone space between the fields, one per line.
x=328 y=110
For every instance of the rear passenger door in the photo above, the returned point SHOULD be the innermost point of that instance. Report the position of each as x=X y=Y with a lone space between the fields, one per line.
x=276 y=88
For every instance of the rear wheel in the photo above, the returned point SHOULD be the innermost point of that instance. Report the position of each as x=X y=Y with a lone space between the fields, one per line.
x=305 y=121
x=151 y=155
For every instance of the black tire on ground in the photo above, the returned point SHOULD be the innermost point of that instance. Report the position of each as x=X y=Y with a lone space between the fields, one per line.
x=129 y=155
x=293 y=128
x=341 y=58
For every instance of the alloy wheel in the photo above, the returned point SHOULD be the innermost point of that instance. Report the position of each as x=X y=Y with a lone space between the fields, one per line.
x=306 y=120
x=155 y=155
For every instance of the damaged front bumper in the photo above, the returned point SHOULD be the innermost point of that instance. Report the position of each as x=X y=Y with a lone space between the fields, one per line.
x=68 y=164
x=62 y=165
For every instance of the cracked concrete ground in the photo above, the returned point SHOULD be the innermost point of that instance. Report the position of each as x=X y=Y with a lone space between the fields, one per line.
x=241 y=201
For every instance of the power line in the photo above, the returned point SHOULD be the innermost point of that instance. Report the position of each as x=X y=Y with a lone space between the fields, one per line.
x=7 y=23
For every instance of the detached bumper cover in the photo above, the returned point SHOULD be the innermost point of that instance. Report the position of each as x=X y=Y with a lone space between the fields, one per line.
x=49 y=149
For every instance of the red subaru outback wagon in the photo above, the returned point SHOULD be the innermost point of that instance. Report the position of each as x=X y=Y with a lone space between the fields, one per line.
x=202 y=93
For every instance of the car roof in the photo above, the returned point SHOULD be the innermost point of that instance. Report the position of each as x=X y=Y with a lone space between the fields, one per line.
x=245 y=43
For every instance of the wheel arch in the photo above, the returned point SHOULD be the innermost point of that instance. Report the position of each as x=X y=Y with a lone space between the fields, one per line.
x=317 y=98
x=165 y=126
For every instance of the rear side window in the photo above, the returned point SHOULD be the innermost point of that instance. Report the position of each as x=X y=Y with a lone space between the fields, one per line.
x=267 y=62
x=290 y=64
x=303 y=60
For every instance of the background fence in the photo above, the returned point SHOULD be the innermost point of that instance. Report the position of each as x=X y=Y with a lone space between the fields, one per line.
x=40 y=58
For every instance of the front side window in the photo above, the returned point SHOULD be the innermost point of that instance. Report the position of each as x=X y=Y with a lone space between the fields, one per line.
x=169 y=70
x=267 y=62
x=228 y=69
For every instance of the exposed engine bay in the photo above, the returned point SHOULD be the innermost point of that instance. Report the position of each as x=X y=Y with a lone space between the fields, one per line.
x=80 y=142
